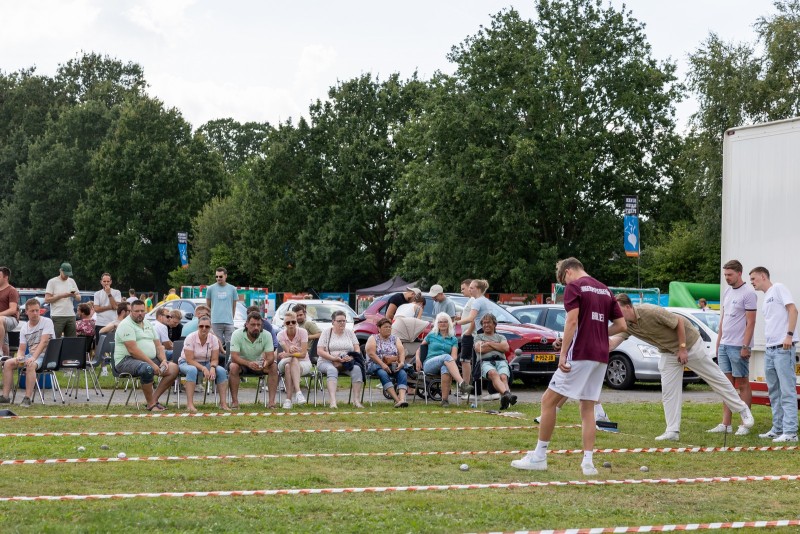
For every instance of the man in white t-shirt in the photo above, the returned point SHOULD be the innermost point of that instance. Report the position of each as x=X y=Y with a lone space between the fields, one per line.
x=735 y=339
x=60 y=294
x=162 y=329
x=780 y=332
x=33 y=339
x=131 y=296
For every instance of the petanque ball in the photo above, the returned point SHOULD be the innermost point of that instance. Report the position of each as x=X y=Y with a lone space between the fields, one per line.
x=464 y=467
x=122 y=455
x=644 y=469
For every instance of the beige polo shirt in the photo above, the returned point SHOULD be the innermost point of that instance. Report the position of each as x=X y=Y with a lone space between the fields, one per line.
x=656 y=326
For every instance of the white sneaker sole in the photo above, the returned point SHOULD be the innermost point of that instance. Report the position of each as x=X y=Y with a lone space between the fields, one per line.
x=530 y=466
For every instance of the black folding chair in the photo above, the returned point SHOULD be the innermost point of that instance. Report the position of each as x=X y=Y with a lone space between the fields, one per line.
x=132 y=381
x=50 y=364
x=74 y=352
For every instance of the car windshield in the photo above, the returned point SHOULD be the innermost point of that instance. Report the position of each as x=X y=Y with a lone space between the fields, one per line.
x=711 y=320
x=501 y=314
x=321 y=312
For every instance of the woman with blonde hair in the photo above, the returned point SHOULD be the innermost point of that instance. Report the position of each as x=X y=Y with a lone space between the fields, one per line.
x=442 y=345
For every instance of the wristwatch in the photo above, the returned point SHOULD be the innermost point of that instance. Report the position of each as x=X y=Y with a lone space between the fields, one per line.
x=789 y=333
x=682 y=345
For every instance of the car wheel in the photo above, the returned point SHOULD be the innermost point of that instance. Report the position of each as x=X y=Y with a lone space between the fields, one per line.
x=619 y=373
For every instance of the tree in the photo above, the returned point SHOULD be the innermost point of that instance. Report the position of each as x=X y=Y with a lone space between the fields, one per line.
x=236 y=142
x=151 y=175
x=524 y=154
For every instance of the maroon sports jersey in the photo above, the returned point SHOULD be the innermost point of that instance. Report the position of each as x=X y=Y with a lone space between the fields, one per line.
x=597 y=307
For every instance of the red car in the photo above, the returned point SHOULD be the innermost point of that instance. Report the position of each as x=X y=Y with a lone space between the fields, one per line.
x=530 y=353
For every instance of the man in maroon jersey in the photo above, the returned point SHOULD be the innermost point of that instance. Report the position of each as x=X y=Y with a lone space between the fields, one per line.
x=583 y=360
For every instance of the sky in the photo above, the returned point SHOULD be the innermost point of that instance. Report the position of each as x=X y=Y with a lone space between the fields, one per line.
x=267 y=61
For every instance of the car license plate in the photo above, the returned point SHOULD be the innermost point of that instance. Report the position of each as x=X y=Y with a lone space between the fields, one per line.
x=686 y=370
x=544 y=358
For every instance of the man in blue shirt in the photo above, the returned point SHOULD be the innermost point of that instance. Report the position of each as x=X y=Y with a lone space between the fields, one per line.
x=221 y=297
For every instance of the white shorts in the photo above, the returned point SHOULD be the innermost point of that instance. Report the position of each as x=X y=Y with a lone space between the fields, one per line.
x=305 y=366
x=583 y=382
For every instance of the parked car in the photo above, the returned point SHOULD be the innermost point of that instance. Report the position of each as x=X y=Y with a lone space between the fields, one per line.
x=707 y=322
x=186 y=306
x=633 y=360
x=530 y=354
x=318 y=310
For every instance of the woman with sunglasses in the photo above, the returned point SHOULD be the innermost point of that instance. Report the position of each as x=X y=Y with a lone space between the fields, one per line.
x=293 y=358
x=441 y=358
x=201 y=355
x=387 y=360
x=333 y=350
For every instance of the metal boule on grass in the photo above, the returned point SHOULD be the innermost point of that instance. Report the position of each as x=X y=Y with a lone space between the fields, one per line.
x=644 y=469
x=607 y=465
x=122 y=455
x=81 y=448
x=464 y=467
x=104 y=447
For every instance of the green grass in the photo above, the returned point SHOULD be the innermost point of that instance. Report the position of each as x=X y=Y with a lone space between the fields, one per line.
x=439 y=511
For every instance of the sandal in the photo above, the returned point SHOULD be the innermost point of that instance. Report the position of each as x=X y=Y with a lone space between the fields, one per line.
x=156 y=408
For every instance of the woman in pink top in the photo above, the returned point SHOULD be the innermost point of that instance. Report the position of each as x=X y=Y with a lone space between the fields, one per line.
x=201 y=355
x=293 y=358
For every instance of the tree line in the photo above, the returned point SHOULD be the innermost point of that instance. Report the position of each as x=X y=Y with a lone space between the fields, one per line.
x=521 y=156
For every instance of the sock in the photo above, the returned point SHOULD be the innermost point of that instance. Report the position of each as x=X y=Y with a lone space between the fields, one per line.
x=541 y=450
x=587 y=458
x=599 y=412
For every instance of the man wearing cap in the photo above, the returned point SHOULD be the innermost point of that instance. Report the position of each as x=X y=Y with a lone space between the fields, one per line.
x=441 y=302
x=398 y=299
x=60 y=294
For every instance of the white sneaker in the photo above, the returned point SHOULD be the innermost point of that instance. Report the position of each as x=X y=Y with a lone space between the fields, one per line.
x=530 y=464
x=287 y=404
x=669 y=436
x=603 y=418
x=747 y=418
x=742 y=431
x=721 y=429
x=491 y=397
x=769 y=435
x=299 y=398
x=104 y=372
x=589 y=470
x=785 y=438
x=537 y=419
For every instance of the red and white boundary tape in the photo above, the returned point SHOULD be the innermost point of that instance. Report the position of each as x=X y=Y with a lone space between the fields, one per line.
x=265 y=431
x=399 y=489
x=51 y=461
x=667 y=528
x=240 y=414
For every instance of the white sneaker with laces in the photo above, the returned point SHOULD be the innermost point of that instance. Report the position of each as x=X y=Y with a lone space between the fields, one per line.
x=769 y=435
x=721 y=429
x=669 y=436
x=589 y=470
x=299 y=398
x=785 y=438
x=747 y=418
x=287 y=404
x=528 y=462
x=537 y=420
x=742 y=431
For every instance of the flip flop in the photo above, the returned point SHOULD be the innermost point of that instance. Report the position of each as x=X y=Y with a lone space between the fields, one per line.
x=156 y=408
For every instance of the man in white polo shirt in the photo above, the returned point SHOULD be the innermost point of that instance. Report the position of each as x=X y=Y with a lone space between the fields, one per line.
x=780 y=331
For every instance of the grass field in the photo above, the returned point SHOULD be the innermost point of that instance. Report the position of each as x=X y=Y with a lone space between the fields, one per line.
x=429 y=511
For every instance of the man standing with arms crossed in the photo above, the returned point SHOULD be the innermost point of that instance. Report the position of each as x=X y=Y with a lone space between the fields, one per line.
x=221 y=297
x=780 y=331
x=735 y=339
x=583 y=360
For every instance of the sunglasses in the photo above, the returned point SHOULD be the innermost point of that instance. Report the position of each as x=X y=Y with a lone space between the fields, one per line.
x=204 y=327
x=290 y=322
x=218 y=277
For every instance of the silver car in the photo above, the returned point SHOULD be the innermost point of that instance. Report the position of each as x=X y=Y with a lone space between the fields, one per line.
x=318 y=310
x=633 y=360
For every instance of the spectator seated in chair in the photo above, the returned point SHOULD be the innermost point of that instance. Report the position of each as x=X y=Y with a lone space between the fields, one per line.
x=491 y=348
x=387 y=358
x=441 y=359
x=33 y=339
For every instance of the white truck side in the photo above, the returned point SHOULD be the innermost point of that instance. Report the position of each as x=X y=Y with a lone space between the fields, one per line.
x=760 y=216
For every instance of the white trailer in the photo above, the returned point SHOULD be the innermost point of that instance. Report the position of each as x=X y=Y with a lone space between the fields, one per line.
x=760 y=196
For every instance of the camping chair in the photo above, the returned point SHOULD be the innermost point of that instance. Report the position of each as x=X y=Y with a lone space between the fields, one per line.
x=74 y=357
x=130 y=380
x=321 y=380
x=49 y=367
x=102 y=349
x=431 y=387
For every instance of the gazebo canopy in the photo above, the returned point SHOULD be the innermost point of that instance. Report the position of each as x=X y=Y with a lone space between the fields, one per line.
x=390 y=286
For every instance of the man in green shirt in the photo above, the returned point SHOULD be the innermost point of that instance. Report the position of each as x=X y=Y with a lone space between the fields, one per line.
x=680 y=346
x=252 y=352
x=138 y=351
